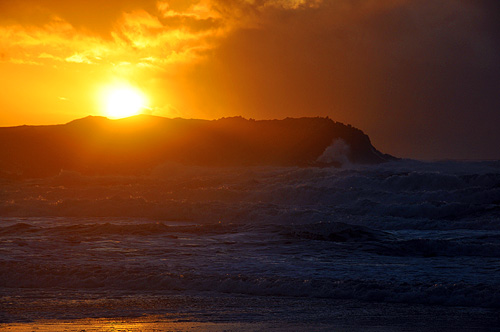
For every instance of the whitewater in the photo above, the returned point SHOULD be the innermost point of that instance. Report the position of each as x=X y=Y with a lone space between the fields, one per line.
x=407 y=240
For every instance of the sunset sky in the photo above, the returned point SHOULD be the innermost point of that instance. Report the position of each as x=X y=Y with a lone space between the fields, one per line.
x=420 y=77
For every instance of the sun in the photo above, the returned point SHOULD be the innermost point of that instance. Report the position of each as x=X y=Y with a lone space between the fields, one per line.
x=124 y=101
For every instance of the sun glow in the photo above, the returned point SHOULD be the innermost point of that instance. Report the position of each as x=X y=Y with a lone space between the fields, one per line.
x=123 y=101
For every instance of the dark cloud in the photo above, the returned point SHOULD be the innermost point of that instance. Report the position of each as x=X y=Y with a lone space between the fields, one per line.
x=421 y=77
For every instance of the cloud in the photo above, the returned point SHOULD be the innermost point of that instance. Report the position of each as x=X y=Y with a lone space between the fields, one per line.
x=79 y=58
x=422 y=77
x=88 y=15
x=113 y=31
x=116 y=31
x=417 y=75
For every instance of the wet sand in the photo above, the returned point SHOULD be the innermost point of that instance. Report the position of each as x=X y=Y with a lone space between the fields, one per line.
x=157 y=324
x=148 y=324
x=338 y=316
x=58 y=312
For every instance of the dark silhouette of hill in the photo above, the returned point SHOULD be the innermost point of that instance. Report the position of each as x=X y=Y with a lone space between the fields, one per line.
x=97 y=145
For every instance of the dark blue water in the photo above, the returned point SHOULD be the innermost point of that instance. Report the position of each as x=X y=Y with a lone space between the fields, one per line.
x=400 y=234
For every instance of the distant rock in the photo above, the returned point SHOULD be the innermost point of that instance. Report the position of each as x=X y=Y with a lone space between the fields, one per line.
x=135 y=145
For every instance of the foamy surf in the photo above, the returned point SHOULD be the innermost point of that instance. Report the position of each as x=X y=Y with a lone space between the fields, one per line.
x=419 y=235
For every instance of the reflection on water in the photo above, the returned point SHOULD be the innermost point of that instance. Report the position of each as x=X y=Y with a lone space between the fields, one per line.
x=149 y=324
x=254 y=244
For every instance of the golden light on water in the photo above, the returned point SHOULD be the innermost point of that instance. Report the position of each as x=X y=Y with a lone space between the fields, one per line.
x=142 y=324
x=122 y=101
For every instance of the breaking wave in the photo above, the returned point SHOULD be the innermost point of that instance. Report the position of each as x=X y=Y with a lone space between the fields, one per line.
x=99 y=277
x=401 y=232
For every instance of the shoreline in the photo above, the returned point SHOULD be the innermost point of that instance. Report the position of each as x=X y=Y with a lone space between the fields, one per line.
x=158 y=323
x=244 y=313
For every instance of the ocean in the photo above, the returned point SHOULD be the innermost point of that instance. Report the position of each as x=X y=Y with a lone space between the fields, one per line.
x=403 y=245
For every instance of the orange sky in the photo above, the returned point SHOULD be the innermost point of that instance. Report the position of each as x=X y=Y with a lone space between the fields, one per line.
x=420 y=77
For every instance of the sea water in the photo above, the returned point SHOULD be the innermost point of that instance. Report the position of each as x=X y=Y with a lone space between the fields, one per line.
x=255 y=244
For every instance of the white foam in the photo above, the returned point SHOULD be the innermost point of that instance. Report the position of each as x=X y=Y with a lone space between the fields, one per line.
x=337 y=152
